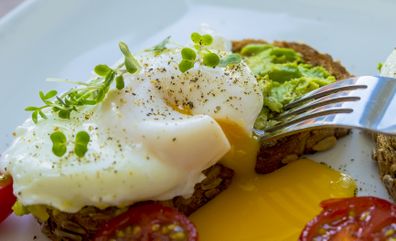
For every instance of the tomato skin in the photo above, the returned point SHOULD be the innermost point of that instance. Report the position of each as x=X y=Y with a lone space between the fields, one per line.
x=350 y=219
x=7 y=198
x=148 y=222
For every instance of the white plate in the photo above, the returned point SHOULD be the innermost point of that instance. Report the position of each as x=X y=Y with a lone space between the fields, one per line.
x=46 y=38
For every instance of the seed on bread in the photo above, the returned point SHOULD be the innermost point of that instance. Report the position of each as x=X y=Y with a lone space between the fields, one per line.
x=325 y=144
x=289 y=158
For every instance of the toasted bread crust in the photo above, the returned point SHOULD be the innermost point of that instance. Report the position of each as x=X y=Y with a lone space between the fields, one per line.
x=278 y=153
x=218 y=178
x=385 y=155
x=237 y=45
x=83 y=225
x=312 y=56
x=309 y=55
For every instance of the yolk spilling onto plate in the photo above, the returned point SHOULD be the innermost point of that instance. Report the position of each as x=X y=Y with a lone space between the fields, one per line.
x=271 y=207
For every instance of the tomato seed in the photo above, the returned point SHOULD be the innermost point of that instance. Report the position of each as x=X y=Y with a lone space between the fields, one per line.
x=178 y=236
x=155 y=227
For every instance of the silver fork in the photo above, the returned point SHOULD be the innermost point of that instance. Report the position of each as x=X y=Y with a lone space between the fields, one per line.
x=365 y=102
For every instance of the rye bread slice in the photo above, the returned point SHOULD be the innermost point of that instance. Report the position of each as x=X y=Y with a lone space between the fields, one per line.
x=81 y=226
x=385 y=146
x=385 y=155
x=277 y=153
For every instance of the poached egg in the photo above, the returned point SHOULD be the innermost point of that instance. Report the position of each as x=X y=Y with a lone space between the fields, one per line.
x=149 y=141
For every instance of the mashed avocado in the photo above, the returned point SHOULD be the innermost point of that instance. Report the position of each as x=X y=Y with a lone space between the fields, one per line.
x=283 y=77
x=39 y=211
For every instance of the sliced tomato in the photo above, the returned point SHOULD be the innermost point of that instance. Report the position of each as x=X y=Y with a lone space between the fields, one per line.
x=350 y=219
x=7 y=198
x=148 y=222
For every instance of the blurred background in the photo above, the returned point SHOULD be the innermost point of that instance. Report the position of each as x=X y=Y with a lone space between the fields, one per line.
x=8 y=5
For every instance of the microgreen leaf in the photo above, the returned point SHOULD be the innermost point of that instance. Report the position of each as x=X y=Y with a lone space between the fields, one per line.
x=199 y=39
x=34 y=116
x=185 y=65
x=58 y=143
x=124 y=48
x=379 y=66
x=81 y=143
x=42 y=115
x=196 y=37
x=50 y=94
x=188 y=53
x=60 y=100
x=131 y=64
x=206 y=39
x=120 y=84
x=211 y=59
x=102 y=70
x=160 y=47
x=230 y=60
x=42 y=95
x=64 y=114
x=31 y=108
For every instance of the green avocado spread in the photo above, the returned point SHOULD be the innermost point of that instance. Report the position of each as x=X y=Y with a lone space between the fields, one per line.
x=283 y=76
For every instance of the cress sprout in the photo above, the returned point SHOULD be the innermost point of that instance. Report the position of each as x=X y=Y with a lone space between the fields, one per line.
x=90 y=93
x=59 y=143
x=207 y=58
x=81 y=143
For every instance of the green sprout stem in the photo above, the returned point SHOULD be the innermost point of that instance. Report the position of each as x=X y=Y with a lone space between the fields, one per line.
x=87 y=93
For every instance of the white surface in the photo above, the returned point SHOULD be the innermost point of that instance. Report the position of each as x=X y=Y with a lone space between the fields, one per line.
x=46 y=38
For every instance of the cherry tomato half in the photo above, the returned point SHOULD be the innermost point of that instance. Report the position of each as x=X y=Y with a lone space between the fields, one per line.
x=148 y=222
x=350 y=219
x=7 y=198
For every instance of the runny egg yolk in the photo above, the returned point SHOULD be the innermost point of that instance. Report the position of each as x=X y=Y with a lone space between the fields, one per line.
x=272 y=207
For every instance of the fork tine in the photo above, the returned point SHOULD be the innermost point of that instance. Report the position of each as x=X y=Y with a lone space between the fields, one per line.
x=331 y=104
x=344 y=85
x=307 y=116
x=327 y=100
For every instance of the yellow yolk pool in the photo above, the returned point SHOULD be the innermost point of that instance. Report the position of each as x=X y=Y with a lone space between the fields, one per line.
x=272 y=207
